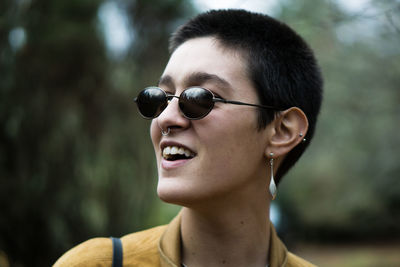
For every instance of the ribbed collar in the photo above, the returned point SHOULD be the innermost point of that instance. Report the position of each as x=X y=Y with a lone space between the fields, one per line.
x=169 y=246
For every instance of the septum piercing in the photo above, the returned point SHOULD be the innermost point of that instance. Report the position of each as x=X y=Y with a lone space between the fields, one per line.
x=165 y=133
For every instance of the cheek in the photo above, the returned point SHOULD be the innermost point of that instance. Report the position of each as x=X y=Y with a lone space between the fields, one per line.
x=234 y=124
x=235 y=138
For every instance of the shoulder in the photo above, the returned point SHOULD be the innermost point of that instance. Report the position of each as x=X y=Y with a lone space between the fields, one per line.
x=94 y=252
x=137 y=246
x=296 y=261
x=143 y=244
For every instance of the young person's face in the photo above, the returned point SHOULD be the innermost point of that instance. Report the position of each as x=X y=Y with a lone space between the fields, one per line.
x=229 y=152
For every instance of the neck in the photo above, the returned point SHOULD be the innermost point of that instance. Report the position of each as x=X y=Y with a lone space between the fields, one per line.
x=233 y=235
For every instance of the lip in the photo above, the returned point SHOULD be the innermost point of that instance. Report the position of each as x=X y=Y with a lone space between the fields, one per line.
x=169 y=165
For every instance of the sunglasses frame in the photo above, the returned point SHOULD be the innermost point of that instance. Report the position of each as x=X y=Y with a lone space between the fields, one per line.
x=215 y=99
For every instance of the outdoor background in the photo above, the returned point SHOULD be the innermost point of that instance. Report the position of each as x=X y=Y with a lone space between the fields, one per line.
x=76 y=160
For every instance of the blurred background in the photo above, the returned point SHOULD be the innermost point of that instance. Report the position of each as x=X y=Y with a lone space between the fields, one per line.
x=76 y=159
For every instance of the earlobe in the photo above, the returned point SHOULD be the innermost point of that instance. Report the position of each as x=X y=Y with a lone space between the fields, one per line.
x=288 y=130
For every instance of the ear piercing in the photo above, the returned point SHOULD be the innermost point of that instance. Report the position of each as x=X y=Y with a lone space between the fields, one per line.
x=301 y=135
x=272 y=185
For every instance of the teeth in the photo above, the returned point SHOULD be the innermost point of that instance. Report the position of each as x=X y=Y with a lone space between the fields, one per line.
x=174 y=150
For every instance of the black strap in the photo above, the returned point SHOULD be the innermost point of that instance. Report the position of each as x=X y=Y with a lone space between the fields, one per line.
x=117 y=252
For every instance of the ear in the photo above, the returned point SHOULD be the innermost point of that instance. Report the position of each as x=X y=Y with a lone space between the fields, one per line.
x=286 y=131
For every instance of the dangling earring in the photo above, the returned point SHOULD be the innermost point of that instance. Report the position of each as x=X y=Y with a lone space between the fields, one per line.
x=272 y=185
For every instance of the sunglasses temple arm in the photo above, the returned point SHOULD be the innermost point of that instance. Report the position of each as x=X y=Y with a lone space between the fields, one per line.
x=241 y=103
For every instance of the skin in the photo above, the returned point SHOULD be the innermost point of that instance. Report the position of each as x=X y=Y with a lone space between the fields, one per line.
x=224 y=188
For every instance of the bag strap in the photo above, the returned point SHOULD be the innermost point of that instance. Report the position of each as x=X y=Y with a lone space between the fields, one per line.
x=117 y=252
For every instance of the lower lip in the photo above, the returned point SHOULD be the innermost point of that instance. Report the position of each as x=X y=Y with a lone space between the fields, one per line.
x=168 y=164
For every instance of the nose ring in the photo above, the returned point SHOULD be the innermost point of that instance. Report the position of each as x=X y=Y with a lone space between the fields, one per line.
x=165 y=133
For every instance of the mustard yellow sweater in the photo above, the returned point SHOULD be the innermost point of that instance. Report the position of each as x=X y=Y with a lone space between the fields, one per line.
x=159 y=246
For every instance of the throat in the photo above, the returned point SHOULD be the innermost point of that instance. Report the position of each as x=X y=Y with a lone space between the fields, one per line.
x=200 y=242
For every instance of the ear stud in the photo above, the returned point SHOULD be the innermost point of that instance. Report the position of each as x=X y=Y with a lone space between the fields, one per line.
x=301 y=135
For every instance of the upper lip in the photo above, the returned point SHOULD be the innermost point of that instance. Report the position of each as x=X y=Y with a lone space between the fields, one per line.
x=166 y=143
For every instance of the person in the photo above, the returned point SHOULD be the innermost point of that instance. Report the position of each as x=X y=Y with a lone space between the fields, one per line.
x=234 y=109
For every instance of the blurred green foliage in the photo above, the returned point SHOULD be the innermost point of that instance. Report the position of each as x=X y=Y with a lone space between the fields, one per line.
x=76 y=160
x=347 y=185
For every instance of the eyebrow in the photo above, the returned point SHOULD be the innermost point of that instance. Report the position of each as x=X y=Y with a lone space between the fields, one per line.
x=166 y=80
x=195 y=78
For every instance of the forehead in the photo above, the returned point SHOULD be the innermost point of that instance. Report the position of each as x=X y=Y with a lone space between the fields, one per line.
x=206 y=55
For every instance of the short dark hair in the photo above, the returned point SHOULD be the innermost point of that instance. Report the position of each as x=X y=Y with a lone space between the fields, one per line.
x=280 y=64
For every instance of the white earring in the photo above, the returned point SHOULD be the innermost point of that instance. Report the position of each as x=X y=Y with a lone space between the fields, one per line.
x=272 y=185
x=301 y=135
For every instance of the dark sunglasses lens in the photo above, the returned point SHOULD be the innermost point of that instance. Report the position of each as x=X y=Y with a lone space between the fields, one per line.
x=151 y=102
x=196 y=103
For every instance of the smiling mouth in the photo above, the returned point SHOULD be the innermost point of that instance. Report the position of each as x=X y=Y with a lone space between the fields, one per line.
x=172 y=153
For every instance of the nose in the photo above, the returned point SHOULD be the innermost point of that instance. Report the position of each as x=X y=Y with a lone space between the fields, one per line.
x=172 y=118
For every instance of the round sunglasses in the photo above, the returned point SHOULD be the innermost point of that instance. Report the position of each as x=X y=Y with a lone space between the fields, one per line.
x=194 y=102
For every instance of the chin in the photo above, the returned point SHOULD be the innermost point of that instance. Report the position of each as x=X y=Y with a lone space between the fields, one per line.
x=170 y=192
x=174 y=192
